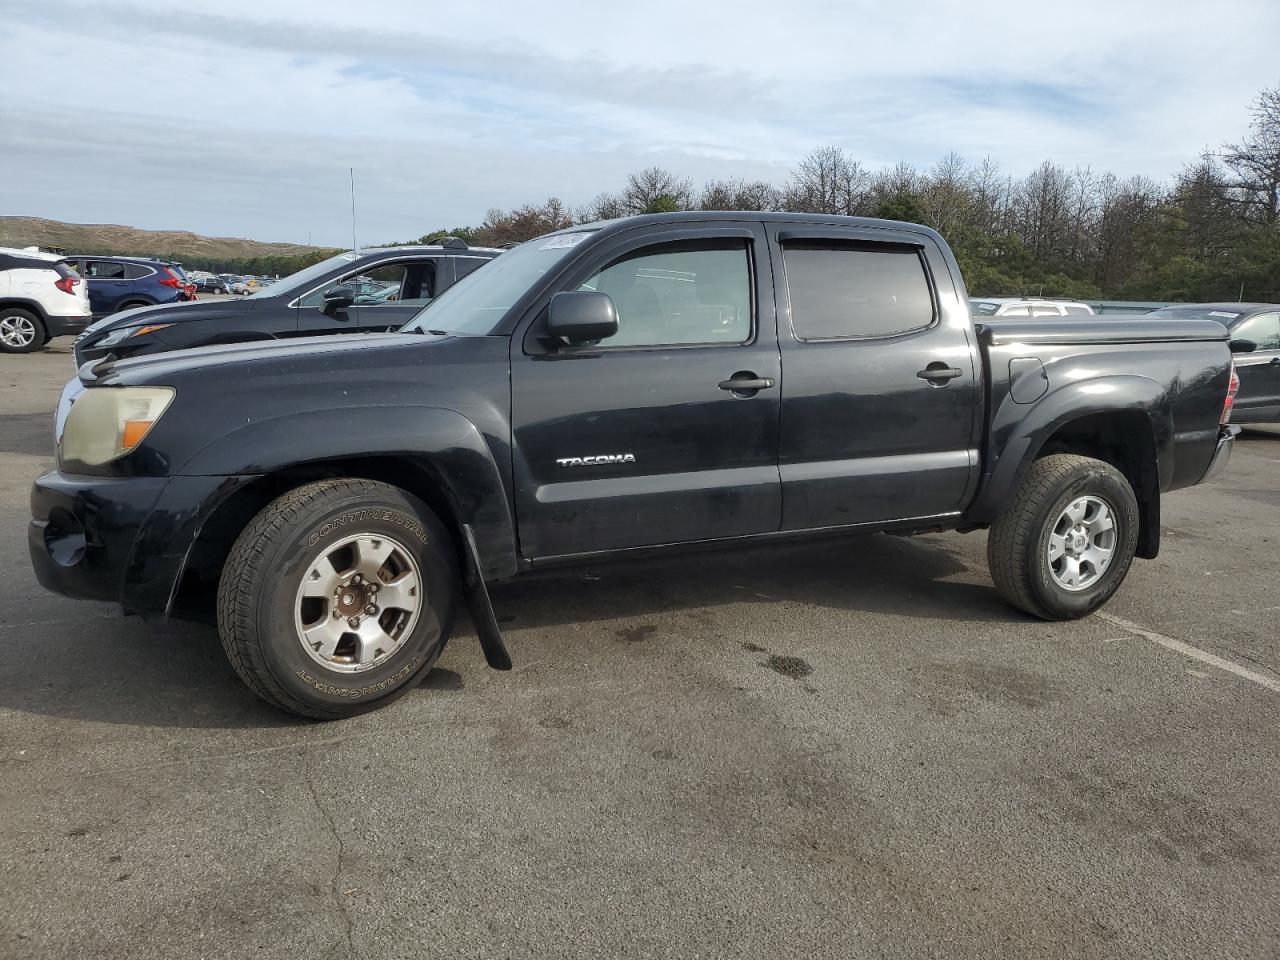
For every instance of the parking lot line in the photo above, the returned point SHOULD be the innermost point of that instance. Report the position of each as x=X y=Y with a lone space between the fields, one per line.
x=1195 y=653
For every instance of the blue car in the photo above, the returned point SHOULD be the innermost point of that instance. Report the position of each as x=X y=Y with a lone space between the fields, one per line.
x=122 y=283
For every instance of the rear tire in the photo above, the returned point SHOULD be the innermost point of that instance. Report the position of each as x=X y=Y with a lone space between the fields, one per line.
x=21 y=331
x=1067 y=539
x=338 y=597
x=133 y=305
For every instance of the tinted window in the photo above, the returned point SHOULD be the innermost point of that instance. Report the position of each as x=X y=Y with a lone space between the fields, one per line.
x=465 y=265
x=864 y=290
x=983 y=309
x=1263 y=330
x=136 y=271
x=104 y=270
x=679 y=293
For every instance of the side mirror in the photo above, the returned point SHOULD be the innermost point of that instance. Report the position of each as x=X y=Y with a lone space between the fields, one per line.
x=581 y=316
x=1242 y=346
x=338 y=298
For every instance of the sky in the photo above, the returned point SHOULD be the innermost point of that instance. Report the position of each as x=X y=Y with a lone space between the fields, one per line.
x=242 y=118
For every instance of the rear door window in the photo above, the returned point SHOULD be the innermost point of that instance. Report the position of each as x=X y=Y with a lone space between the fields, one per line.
x=1045 y=310
x=852 y=290
x=104 y=270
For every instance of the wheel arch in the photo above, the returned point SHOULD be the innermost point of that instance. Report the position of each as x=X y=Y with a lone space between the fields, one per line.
x=455 y=475
x=31 y=306
x=1125 y=421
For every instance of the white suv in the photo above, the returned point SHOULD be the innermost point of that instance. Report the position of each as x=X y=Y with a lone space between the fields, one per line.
x=1028 y=307
x=40 y=297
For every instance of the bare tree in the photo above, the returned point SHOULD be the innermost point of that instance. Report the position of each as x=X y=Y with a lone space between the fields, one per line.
x=605 y=206
x=524 y=223
x=739 y=195
x=828 y=180
x=655 y=190
x=1255 y=162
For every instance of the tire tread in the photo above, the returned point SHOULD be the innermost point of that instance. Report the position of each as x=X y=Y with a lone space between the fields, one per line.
x=246 y=560
x=1007 y=554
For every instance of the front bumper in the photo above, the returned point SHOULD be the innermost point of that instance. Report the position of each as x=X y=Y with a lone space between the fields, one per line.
x=1221 y=455
x=122 y=539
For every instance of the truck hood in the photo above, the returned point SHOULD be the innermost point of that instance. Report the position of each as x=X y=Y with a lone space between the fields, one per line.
x=173 y=313
x=281 y=354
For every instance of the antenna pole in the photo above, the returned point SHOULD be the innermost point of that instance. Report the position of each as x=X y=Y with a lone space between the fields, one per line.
x=352 y=171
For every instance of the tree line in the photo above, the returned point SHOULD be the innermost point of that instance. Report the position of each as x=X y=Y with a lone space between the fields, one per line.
x=1213 y=233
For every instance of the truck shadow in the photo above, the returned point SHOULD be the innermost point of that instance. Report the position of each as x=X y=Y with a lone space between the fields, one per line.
x=108 y=669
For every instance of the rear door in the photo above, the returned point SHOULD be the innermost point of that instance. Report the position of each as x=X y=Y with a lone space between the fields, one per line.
x=1259 y=372
x=107 y=285
x=880 y=388
x=641 y=439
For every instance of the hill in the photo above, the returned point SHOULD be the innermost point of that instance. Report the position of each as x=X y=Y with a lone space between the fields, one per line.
x=110 y=238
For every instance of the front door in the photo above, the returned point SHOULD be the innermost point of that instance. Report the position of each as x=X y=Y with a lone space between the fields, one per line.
x=880 y=388
x=387 y=295
x=1259 y=398
x=642 y=439
x=394 y=293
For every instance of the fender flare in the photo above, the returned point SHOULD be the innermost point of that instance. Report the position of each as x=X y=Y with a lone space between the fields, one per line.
x=444 y=441
x=1020 y=431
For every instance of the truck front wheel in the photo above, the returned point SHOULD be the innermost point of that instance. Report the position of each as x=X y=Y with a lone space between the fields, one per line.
x=1066 y=541
x=338 y=597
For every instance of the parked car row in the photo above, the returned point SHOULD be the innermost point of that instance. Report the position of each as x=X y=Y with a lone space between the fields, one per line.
x=355 y=292
x=141 y=305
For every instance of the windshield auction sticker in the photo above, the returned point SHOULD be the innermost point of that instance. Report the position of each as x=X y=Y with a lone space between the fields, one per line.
x=564 y=240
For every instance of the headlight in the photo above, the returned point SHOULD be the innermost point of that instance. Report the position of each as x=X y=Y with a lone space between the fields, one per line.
x=122 y=334
x=107 y=422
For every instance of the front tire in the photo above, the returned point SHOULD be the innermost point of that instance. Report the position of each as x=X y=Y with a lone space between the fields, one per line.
x=21 y=331
x=1066 y=541
x=338 y=597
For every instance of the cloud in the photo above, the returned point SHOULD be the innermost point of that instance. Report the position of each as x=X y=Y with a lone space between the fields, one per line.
x=243 y=118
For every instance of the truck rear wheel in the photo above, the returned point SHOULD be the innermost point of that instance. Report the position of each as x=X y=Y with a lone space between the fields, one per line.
x=338 y=597
x=1067 y=539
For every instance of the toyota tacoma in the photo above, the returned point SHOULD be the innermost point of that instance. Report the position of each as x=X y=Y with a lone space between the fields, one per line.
x=654 y=383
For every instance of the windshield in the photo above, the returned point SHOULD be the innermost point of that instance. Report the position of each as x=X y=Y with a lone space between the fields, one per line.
x=476 y=303
x=1196 y=313
x=300 y=281
x=983 y=308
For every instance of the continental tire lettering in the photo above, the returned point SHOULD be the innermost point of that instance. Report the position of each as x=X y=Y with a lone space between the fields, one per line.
x=359 y=516
x=358 y=693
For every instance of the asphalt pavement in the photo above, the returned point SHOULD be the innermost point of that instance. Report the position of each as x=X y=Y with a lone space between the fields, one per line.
x=837 y=750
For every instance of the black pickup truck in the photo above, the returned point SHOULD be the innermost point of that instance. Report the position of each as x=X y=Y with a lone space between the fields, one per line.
x=652 y=383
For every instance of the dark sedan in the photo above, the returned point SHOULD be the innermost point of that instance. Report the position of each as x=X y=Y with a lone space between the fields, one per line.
x=1259 y=398
x=316 y=301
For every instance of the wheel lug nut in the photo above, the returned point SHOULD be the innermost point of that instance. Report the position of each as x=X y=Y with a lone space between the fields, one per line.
x=373 y=588
x=371 y=609
x=353 y=622
x=337 y=615
x=356 y=579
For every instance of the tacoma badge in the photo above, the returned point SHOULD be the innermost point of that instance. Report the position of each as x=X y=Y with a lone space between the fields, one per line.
x=597 y=460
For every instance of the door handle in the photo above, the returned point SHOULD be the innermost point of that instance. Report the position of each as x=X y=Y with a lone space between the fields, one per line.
x=746 y=384
x=939 y=374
